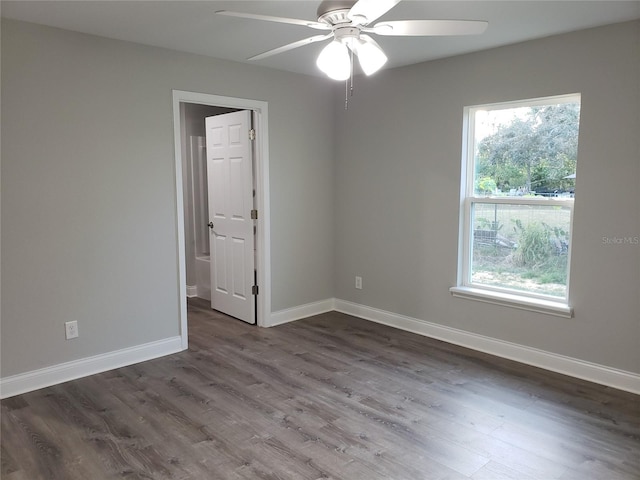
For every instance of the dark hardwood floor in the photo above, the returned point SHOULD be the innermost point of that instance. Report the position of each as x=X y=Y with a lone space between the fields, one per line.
x=331 y=396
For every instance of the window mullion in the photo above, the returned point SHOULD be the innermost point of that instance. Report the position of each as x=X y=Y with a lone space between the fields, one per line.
x=541 y=201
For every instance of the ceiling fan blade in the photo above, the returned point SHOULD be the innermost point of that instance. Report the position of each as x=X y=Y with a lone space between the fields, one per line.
x=429 y=27
x=291 y=46
x=366 y=11
x=268 y=18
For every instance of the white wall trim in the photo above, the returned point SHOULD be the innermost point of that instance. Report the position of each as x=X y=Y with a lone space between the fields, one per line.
x=573 y=367
x=192 y=291
x=45 y=377
x=302 y=311
x=64 y=372
x=522 y=302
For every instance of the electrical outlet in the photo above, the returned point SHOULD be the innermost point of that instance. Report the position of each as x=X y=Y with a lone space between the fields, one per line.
x=359 y=283
x=71 y=329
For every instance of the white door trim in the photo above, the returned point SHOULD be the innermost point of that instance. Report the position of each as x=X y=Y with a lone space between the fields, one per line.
x=263 y=246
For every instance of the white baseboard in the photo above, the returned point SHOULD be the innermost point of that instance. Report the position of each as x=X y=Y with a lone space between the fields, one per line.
x=192 y=291
x=203 y=292
x=573 y=367
x=302 y=311
x=45 y=377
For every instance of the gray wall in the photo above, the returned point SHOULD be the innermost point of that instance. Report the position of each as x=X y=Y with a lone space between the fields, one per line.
x=88 y=209
x=88 y=189
x=398 y=182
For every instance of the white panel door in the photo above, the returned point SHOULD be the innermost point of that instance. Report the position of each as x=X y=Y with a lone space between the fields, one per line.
x=231 y=235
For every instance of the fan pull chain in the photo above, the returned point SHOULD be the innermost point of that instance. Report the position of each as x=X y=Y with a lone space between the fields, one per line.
x=346 y=94
x=351 y=52
x=348 y=90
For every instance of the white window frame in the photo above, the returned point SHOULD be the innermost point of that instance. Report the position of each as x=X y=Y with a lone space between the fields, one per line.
x=465 y=288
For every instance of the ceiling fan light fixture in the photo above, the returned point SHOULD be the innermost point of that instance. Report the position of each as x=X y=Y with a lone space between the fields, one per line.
x=370 y=55
x=334 y=60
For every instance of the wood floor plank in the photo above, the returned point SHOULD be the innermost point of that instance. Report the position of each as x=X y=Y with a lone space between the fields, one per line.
x=328 y=397
x=496 y=471
x=8 y=464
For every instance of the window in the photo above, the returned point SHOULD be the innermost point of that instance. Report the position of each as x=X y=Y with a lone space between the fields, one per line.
x=518 y=187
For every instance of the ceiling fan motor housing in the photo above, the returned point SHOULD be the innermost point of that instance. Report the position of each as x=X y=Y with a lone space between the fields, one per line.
x=334 y=12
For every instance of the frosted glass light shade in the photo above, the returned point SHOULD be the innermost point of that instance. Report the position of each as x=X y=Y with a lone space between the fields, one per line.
x=370 y=55
x=334 y=61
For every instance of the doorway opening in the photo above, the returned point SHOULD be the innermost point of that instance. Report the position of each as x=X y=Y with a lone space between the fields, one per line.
x=190 y=193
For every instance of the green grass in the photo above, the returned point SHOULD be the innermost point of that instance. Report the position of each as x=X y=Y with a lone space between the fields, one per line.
x=533 y=263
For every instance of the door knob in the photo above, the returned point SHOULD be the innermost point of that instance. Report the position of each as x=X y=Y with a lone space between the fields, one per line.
x=210 y=224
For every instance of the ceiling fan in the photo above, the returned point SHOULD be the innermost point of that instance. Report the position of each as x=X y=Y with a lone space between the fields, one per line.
x=349 y=23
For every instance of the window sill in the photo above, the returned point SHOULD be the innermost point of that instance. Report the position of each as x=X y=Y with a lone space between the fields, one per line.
x=548 y=307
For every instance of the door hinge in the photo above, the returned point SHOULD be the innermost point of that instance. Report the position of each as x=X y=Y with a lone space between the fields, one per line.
x=252 y=134
x=254 y=214
x=254 y=290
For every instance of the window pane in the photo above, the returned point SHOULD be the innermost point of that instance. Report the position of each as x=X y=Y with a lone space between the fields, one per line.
x=521 y=247
x=526 y=150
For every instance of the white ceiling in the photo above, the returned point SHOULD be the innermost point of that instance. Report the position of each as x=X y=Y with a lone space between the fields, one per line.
x=192 y=26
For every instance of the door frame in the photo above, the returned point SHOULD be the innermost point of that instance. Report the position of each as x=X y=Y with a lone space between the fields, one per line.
x=261 y=176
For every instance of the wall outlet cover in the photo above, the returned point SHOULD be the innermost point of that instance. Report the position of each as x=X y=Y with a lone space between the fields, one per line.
x=71 y=329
